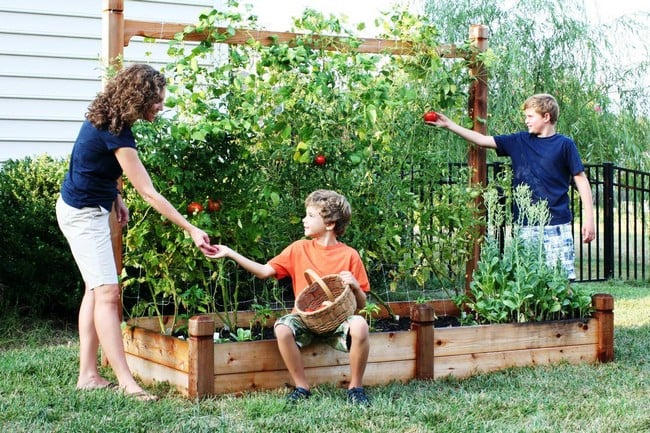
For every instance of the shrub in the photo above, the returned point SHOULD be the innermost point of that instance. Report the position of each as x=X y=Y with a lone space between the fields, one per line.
x=36 y=267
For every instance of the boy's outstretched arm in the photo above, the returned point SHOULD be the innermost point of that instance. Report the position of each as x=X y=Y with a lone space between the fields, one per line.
x=468 y=134
x=584 y=189
x=258 y=269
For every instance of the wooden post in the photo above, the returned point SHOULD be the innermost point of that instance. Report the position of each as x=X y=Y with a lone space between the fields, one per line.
x=112 y=50
x=604 y=313
x=422 y=317
x=201 y=357
x=478 y=111
x=112 y=33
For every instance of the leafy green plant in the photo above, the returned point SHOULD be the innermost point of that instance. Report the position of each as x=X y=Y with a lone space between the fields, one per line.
x=369 y=311
x=242 y=334
x=517 y=285
x=262 y=314
x=247 y=129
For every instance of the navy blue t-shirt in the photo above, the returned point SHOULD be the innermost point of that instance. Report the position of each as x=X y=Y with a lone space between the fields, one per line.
x=546 y=165
x=91 y=179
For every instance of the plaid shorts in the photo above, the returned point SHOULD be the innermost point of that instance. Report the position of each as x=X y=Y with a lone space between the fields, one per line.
x=558 y=245
x=339 y=339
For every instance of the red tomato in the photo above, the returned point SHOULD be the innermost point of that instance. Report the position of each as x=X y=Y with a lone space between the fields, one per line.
x=320 y=160
x=430 y=116
x=214 y=205
x=194 y=208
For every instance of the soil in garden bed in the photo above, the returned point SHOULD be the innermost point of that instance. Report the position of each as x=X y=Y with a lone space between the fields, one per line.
x=404 y=323
x=380 y=325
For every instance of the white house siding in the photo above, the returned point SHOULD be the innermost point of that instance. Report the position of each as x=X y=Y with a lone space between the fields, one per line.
x=50 y=66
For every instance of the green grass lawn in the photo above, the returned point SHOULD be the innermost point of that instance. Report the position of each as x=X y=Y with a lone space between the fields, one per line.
x=38 y=368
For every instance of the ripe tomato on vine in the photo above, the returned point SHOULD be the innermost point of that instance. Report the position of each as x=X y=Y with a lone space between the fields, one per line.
x=214 y=205
x=194 y=208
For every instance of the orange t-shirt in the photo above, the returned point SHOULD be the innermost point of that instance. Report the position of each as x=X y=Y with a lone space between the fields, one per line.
x=308 y=254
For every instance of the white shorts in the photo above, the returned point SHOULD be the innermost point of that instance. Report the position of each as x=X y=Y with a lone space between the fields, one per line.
x=89 y=235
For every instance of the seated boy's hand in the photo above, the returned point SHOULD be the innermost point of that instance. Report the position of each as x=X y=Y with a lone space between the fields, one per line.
x=221 y=252
x=348 y=278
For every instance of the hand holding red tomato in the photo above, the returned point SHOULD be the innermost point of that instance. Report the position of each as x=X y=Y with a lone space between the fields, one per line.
x=430 y=116
x=434 y=118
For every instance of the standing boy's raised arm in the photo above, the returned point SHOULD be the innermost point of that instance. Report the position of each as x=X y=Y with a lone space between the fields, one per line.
x=468 y=134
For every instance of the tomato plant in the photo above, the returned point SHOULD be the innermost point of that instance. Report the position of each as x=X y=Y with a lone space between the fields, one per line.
x=256 y=136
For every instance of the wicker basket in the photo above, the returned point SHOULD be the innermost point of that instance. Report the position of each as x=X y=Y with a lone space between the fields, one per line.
x=309 y=302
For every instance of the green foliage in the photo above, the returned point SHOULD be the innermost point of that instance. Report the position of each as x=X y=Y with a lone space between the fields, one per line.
x=178 y=277
x=262 y=314
x=245 y=125
x=517 y=285
x=550 y=47
x=37 y=270
x=242 y=335
x=369 y=311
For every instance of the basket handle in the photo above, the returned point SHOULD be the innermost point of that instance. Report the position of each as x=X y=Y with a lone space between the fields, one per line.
x=312 y=276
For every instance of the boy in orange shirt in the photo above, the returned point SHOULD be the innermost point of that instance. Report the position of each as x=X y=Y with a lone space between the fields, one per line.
x=327 y=216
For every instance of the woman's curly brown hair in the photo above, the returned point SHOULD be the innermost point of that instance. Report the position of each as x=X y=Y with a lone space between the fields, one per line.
x=127 y=97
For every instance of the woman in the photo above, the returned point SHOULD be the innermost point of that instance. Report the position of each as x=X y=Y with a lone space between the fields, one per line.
x=104 y=150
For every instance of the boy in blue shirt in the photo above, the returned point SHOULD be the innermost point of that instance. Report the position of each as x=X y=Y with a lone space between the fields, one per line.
x=545 y=161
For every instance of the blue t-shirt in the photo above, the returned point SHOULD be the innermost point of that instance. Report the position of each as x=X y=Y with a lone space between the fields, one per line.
x=91 y=179
x=546 y=165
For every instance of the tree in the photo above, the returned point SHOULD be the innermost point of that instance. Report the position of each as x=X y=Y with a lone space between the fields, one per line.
x=550 y=47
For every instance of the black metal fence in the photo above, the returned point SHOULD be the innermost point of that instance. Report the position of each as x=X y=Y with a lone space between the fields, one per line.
x=621 y=199
x=621 y=204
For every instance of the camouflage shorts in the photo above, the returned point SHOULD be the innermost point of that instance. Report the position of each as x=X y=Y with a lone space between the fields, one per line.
x=339 y=339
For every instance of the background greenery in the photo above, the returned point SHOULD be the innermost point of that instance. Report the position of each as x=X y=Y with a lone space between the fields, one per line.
x=38 y=361
x=549 y=46
x=37 y=272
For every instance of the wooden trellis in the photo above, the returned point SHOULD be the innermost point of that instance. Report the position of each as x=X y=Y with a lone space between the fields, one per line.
x=118 y=31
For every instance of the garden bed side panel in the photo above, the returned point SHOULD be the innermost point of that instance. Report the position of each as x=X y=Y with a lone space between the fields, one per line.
x=257 y=365
x=464 y=351
x=153 y=357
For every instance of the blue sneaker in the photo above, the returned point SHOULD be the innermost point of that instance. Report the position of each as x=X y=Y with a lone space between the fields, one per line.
x=298 y=394
x=358 y=396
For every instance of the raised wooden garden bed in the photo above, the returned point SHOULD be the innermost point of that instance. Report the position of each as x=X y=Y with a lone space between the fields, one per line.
x=197 y=367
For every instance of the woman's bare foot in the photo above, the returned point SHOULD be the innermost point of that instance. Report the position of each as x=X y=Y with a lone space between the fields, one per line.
x=95 y=383
x=142 y=396
x=135 y=391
